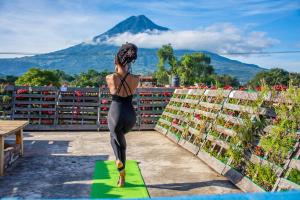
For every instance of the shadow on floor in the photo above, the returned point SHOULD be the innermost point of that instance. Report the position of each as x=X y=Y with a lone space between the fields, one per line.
x=48 y=171
x=193 y=185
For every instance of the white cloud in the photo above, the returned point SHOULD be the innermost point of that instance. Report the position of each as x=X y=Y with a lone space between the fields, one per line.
x=289 y=62
x=219 y=38
x=39 y=27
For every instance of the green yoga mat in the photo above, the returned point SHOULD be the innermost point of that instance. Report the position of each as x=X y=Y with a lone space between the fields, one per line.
x=106 y=177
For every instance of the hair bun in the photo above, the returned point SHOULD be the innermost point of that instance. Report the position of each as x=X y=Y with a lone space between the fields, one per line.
x=127 y=54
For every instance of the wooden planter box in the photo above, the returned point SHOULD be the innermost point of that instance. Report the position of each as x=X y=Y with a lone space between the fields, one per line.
x=211 y=161
x=224 y=130
x=241 y=181
x=283 y=184
x=160 y=129
x=189 y=146
x=259 y=160
x=172 y=137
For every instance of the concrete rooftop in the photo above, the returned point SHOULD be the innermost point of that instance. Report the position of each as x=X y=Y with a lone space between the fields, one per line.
x=61 y=165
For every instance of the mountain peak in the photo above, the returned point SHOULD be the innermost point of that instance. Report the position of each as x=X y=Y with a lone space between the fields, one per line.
x=133 y=24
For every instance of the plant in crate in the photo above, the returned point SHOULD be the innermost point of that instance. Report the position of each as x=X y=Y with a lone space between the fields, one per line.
x=6 y=99
x=280 y=140
x=263 y=175
x=294 y=176
x=236 y=154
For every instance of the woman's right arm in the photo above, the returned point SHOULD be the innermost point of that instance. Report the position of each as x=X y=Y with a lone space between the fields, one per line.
x=109 y=82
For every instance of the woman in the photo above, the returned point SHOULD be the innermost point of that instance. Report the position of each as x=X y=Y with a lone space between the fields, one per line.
x=122 y=116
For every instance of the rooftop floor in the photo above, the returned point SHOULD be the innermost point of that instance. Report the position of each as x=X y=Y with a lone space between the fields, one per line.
x=61 y=165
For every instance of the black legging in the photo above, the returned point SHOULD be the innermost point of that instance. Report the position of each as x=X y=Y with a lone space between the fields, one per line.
x=121 y=119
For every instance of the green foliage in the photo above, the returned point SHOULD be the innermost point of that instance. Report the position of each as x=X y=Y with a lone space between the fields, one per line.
x=281 y=139
x=272 y=77
x=236 y=152
x=194 y=68
x=161 y=76
x=249 y=129
x=223 y=79
x=63 y=77
x=6 y=99
x=263 y=175
x=191 y=68
x=38 y=77
x=8 y=79
x=166 y=54
x=294 y=176
x=295 y=78
x=91 y=78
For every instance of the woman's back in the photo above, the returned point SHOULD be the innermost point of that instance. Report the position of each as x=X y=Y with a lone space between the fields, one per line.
x=123 y=88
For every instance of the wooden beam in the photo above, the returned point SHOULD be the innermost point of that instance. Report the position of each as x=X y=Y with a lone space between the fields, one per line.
x=19 y=140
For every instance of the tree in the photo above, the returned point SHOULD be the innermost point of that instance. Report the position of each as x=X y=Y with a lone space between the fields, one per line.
x=224 y=79
x=165 y=55
x=272 y=77
x=91 y=78
x=194 y=68
x=295 y=78
x=38 y=77
x=8 y=79
x=63 y=77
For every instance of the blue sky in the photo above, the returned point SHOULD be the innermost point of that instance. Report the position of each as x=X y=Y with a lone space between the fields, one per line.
x=229 y=25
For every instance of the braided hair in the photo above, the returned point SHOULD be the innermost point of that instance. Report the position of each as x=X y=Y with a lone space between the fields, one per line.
x=126 y=54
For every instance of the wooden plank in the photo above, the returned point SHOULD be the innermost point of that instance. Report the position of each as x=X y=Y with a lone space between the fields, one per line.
x=81 y=109
x=155 y=89
x=287 y=184
x=19 y=140
x=210 y=105
x=162 y=104
x=80 y=116
x=36 y=88
x=95 y=98
x=224 y=130
x=67 y=127
x=37 y=95
x=295 y=164
x=11 y=126
x=236 y=94
x=87 y=104
x=33 y=109
x=205 y=113
x=214 y=93
x=32 y=116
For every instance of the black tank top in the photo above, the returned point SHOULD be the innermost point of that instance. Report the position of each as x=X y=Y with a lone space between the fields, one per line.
x=116 y=97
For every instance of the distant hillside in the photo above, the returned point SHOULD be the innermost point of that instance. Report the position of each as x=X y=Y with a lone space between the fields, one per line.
x=99 y=56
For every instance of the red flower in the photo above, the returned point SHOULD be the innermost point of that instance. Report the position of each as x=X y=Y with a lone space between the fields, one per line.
x=78 y=93
x=213 y=87
x=258 y=88
x=104 y=101
x=175 y=121
x=259 y=151
x=242 y=88
x=104 y=108
x=198 y=116
x=280 y=87
x=227 y=87
x=22 y=91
